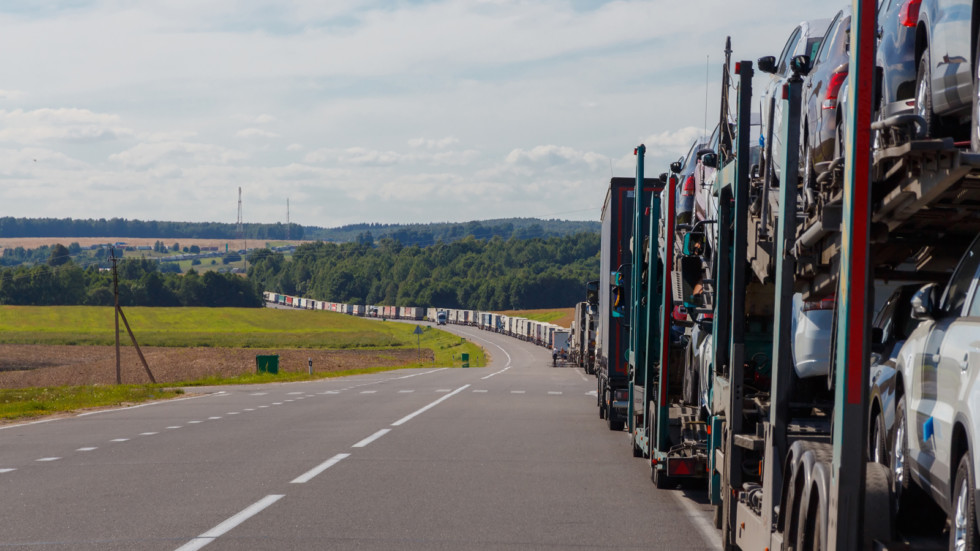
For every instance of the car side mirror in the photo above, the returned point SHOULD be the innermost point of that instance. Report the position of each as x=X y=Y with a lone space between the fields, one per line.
x=676 y=167
x=710 y=160
x=924 y=302
x=767 y=64
x=801 y=65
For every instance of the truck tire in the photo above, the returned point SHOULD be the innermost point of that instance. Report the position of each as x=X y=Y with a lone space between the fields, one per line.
x=877 y=498
x=615 y=423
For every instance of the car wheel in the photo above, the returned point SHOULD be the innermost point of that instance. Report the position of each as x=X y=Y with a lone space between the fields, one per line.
x=879 y=447
x=897 y=458
x=975 y=119
x=809 y=180
x=923 y=96
x=963 y=523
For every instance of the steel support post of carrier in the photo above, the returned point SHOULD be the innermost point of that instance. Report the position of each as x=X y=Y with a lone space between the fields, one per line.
x=855 y=300
x=646 y=206
x=659 y=312
x=637 y=331
x=736 y=315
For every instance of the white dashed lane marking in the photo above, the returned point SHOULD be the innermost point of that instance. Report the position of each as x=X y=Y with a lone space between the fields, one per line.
x=7 y=470
x=148 y=433
x=48 y=459
x=87 y=449
x=119 y=440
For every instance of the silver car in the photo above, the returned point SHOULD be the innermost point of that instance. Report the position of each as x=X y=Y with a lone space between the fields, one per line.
x=804 y=40
x=938 y=409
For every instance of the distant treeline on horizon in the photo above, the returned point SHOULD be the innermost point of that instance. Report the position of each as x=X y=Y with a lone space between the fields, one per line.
x=408 y=234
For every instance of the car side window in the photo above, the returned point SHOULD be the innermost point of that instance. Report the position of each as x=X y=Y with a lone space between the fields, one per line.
x=787 y=50
x=828 y=40
x=959 y=284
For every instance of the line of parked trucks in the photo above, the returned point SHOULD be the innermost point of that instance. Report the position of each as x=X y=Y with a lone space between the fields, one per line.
x=789 y=315
x=541 y=333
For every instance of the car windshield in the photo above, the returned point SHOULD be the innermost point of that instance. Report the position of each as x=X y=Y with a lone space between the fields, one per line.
x=959 y=284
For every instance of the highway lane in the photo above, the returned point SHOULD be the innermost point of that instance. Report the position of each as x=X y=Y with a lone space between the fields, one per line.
x=512 y=456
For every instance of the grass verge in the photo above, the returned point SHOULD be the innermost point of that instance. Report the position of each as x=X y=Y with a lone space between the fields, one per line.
x=33 y=402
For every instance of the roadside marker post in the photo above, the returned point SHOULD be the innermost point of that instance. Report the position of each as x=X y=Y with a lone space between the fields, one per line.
x=311 y=366
x=418 y=341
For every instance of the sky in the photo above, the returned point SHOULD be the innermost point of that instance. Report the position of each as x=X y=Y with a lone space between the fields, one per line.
x=357 y=111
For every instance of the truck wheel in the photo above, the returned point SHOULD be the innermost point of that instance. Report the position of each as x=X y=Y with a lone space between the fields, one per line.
x=660 y=479
x=879 y=448
x=718 y=516
x=963 y=522
x=637 y=450
x=615 y=423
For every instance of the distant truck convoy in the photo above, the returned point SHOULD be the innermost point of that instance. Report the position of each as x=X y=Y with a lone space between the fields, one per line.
x=441 y=317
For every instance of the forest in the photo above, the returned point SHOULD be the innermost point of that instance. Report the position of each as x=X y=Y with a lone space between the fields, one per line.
x=493 y=274
x=64 y=283
x=408 y=234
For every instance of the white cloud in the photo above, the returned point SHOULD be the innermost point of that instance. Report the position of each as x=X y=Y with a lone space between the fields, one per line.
x=433 y=144
x=63 y=124
x=255 y=133
x=148 y=154
x=554 y=155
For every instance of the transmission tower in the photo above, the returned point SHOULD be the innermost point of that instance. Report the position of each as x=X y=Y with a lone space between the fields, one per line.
x=240 y=229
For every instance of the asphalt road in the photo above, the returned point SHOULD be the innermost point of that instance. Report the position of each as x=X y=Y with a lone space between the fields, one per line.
x=512 y=456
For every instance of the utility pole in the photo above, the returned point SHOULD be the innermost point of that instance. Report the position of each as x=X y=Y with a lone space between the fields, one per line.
x=115 y=293
x=287 y=219
x=240 y=230
x=119 y=313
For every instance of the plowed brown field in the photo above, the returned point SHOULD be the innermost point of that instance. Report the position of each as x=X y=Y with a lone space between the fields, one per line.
x=45 y=365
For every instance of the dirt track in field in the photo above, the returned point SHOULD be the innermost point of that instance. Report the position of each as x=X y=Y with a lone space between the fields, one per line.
x=42 y=365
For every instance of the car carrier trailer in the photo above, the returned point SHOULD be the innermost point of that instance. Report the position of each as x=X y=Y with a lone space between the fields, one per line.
x=790 y=471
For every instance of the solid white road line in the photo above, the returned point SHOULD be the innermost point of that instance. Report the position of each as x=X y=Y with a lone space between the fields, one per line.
x=417 y=374
x=308 y=476
x=371 y=438
x=229 y=524
x=497 y=373
x=409 y=417
x=700 y=520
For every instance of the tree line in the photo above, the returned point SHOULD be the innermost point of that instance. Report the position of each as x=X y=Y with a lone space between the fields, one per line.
x=121 y=227
x=141 y=283
x=493 y=274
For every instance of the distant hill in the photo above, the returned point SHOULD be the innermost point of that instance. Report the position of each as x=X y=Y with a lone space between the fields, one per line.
x=408 y=234
x=423 y=235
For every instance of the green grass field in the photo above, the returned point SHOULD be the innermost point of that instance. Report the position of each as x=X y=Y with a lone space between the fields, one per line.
x=208 y=327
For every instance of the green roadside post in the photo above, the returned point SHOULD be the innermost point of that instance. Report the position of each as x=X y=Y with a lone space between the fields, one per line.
x=267 y=364
x=418 y=341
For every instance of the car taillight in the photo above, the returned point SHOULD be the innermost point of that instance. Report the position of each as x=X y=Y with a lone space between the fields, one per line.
x=833 y=88
x=909 y=16
x=688 y=187
x=825 y=304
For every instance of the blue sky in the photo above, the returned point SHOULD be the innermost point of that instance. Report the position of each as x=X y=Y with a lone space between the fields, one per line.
x=360 y=111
